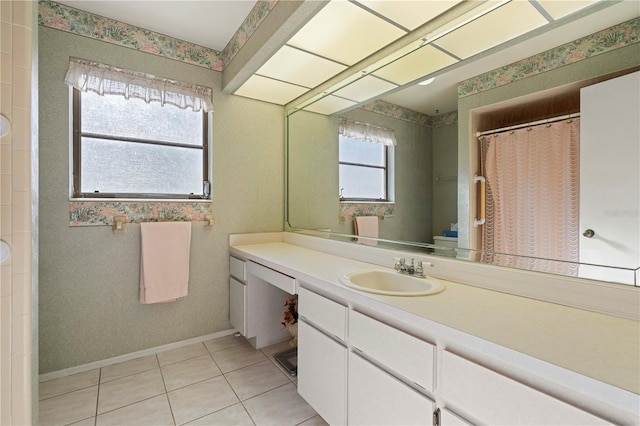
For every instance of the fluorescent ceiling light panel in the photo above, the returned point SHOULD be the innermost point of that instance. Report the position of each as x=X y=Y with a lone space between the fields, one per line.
x=409 y=14
x=365 y=88
x=345 y=33
x=269 y=90
x=298 y=67
x=417 y=64
x=558 y=9
x=499 y=26
x=329 y=104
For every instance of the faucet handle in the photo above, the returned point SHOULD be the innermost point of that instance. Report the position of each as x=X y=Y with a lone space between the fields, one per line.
x=411 y=268
x=399 y=264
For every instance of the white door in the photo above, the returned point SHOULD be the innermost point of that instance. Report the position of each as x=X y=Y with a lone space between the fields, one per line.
x=610 y=179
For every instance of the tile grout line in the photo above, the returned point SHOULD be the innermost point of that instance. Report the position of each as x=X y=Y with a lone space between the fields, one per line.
x=166 y=392
x=95 y=418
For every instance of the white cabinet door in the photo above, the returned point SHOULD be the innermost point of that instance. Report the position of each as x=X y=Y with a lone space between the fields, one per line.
x=610 y=178
x=491 y=398
x=322 y=373
x=377 y=398
x=237 y=305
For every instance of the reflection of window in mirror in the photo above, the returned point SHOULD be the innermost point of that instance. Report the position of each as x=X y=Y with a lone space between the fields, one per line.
x=365 y=174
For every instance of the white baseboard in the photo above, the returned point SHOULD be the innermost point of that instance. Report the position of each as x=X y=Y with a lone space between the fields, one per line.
x=127 y=357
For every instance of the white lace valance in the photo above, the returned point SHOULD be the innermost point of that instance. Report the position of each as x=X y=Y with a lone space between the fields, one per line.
x=366 y=132
x=107 y=80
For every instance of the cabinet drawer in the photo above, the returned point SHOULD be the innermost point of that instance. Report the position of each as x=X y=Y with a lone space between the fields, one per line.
x=237 y=268
x=280 y=280
x=322 y=312
x=496 y=399
x=377 y=398
x=407 y=355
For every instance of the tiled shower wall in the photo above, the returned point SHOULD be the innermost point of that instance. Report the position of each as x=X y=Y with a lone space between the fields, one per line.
x=16 y=19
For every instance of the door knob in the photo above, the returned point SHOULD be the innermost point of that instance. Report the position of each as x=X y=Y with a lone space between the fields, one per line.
x=589 y=233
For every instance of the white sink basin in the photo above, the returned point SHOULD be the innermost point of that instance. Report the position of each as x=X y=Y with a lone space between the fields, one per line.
x=391 y=283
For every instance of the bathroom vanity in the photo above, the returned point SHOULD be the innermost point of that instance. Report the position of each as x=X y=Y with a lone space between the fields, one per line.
x=466 y=355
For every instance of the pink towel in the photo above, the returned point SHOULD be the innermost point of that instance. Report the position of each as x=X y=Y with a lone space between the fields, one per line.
x=164 y=261
x=366 y=226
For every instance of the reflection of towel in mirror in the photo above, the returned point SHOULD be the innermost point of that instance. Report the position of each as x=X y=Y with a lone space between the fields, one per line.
x=164 y=261
x=366 y=226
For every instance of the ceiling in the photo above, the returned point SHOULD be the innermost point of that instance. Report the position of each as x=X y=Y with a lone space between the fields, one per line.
x=209 y=23
x=451 y=40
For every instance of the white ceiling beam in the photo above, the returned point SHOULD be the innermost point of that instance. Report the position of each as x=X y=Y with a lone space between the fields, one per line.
x=284 y=20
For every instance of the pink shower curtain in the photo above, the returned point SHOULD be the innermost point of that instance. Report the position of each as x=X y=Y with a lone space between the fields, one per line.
x=532 y=190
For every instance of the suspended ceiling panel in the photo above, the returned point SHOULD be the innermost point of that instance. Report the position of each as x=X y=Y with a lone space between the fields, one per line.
x=298 y=67
x=416 y=65
x=501 y=25
x=409 y=14
x=558 y=9
x=345 y=33
x=365 y=88
x=330 y=104
x=270 y=90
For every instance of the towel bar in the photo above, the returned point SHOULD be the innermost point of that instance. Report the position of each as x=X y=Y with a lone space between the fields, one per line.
x=479 y=221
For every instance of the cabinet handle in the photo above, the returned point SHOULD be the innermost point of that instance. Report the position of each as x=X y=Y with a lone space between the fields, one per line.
x=436 y=417
x=589 y=233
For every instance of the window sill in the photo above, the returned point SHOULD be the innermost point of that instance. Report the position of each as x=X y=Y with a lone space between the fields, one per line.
x=367 y=202
x=100 y=212
x=141 y=200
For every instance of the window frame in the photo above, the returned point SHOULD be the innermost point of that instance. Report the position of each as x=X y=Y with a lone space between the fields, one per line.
x=77 y=159
x=387 y=196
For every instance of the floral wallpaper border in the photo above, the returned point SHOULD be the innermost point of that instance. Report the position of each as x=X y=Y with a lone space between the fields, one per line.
x=618 y=36
x=351 y=210
x=66 y=18
x=97 y=213
x=248 y=27
x=405 y=114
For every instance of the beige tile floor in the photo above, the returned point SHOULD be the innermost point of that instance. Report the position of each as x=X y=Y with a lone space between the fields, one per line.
x=219 y=382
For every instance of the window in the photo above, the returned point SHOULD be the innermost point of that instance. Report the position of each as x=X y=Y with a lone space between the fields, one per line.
x=135 y=145
x=365 y=170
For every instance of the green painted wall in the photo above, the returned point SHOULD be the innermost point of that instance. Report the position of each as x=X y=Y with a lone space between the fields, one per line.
x=445 y=173
x=313 y=188
x=89 y=307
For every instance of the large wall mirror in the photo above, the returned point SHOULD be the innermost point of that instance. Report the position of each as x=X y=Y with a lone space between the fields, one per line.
x=432 y=187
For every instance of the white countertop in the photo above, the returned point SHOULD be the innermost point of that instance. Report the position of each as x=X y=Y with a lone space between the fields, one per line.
x=598 y=346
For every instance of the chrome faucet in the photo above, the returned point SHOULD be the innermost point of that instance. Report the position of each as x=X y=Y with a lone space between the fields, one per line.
x=401 y=266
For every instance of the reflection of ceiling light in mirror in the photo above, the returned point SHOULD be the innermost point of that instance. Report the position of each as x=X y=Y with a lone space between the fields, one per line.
x=427 y=81
x=506 y=23
x=463 y=20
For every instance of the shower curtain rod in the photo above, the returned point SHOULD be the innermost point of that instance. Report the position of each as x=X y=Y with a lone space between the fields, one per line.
x=533 y=123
